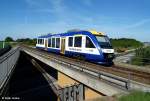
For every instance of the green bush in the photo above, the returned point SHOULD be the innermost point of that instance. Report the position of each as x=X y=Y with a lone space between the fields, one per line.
x=126 y=43
x=137 y=61
x=142 y=56
x=27 y=41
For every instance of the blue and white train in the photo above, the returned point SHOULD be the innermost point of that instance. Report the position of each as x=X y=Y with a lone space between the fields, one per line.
x=90 y=45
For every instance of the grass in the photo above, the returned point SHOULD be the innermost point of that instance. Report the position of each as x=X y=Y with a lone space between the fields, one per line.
x=136 y=96
x=133 y=96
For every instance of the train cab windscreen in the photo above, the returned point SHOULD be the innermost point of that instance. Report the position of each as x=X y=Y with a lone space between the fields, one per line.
x=103 y=41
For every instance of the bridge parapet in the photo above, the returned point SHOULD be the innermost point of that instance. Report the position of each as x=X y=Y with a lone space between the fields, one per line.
x=7 y=62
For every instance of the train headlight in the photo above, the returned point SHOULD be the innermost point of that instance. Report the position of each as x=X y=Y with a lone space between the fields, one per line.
x=110 y=56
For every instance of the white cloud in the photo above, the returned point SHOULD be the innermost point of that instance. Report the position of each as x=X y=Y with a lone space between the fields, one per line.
x=136 y=24
x=66 y=19
x=46 y=5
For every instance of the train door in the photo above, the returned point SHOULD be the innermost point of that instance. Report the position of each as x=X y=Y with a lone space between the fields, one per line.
x=45 y=44
x=62 y=46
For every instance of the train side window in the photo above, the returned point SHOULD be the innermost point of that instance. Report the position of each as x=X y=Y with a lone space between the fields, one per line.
x=57 y=42
x=39 y=41
x=89 y=43
x=70 y=42
x=53 y=42
x=78 y=41
x=42 y=41
x=49 y=42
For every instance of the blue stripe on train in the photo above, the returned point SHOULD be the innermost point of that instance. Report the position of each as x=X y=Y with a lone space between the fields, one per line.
x=40 y=47
x=53 y=50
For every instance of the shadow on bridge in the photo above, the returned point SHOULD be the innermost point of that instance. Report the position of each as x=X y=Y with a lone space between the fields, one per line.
x=27 y=83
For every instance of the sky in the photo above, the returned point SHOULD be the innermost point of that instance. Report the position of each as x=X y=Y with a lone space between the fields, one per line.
x=116 y=18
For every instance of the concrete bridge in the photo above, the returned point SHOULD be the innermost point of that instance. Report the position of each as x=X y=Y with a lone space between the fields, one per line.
x=79 y=77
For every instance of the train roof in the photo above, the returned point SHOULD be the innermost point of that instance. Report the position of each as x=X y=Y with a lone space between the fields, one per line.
x=45 y=36
x=72 y=33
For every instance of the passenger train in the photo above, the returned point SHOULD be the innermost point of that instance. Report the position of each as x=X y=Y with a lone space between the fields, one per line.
x=91 y=45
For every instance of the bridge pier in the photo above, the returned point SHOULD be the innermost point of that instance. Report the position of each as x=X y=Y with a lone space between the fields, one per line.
x=66 y=81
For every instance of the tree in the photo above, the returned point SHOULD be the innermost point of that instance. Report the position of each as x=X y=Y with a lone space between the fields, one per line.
x=9 y=39
x=27 y=41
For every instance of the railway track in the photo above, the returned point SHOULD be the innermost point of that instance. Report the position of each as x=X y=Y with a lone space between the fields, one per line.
x=130 y=74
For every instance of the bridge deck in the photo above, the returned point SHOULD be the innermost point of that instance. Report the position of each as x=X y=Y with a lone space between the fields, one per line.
x=85 y=76
x=90 y=75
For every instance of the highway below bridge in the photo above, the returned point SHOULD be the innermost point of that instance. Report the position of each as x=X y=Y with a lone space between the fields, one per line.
x=28 y=73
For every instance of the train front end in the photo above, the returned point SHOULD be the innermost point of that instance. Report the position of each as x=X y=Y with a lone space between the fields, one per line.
x=105 y=48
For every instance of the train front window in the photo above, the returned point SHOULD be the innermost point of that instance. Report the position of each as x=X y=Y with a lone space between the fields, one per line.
x=103 y=41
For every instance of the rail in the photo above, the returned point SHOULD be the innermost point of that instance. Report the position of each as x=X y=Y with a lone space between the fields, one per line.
x=7 y=62
x=106 y=77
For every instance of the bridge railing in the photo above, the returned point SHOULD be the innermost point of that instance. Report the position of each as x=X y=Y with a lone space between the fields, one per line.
x=7 y=62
